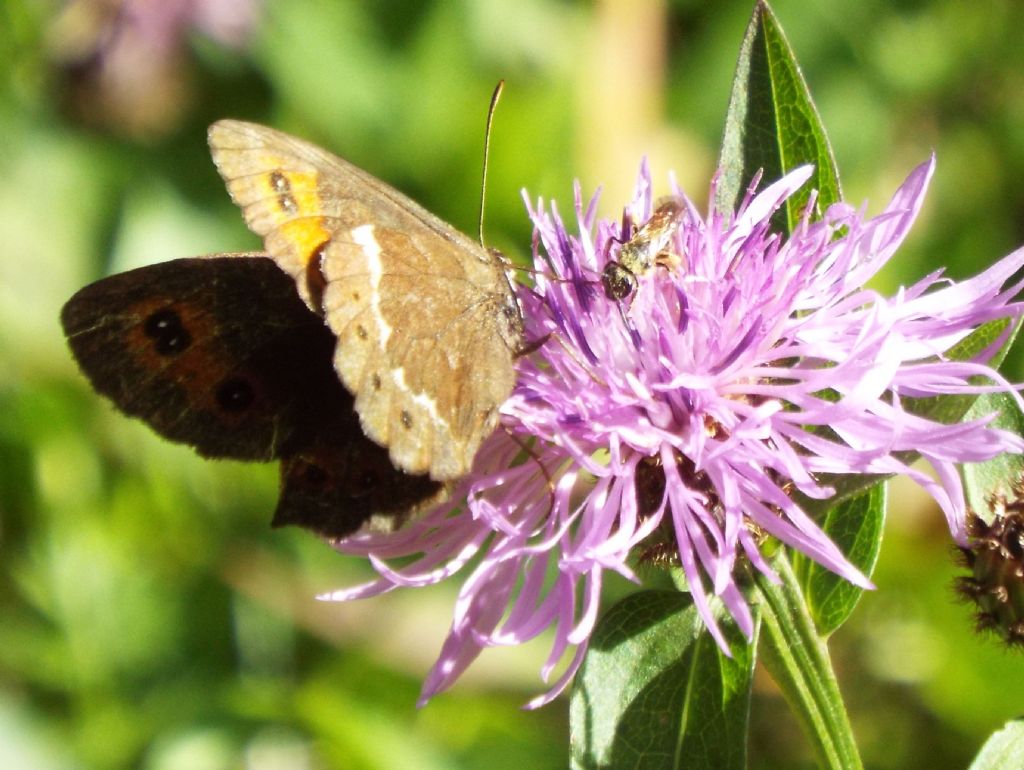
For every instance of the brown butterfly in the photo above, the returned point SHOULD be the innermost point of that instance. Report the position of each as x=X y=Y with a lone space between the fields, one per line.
x=221 y=353
x=427 y=322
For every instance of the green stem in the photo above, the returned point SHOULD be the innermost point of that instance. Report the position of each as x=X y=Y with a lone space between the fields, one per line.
x=798 y=660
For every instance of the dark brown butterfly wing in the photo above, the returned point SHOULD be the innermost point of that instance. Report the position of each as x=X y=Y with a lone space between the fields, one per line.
x=220 y=353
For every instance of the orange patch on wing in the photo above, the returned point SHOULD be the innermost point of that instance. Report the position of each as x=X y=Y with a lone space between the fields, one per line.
x=307 y=236
x=198 y=368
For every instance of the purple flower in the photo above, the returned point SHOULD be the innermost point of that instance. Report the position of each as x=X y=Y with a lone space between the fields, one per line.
x=682 y=418
x=125 y=60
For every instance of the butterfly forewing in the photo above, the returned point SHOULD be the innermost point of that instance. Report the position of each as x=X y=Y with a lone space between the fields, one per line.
x=427 y=321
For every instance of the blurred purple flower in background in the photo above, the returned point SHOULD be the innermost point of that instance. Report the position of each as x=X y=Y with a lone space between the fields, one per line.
x=676 y=424
x=126 y=59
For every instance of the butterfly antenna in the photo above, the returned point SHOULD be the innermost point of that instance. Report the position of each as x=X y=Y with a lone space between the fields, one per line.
x=487 y=151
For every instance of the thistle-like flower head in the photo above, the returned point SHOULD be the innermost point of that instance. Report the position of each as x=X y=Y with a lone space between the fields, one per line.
x=681 y=411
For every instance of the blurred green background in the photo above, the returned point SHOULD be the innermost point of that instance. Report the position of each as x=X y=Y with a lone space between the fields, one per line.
x=149 y=617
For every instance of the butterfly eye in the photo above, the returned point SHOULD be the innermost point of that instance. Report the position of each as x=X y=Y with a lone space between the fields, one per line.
x=169 y=336
x=235 y=394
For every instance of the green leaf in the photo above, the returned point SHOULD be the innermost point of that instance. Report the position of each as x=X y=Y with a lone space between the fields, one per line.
x=772 y=124
x=1003 y=751
x=798 y=661
x=1002 y=473
x=655 y=691
x=855 y=526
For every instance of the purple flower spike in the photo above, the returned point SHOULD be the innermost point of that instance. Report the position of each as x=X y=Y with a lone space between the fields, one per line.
x=675 y=424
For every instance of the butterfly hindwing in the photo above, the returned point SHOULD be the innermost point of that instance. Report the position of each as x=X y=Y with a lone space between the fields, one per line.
x=221 y=353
